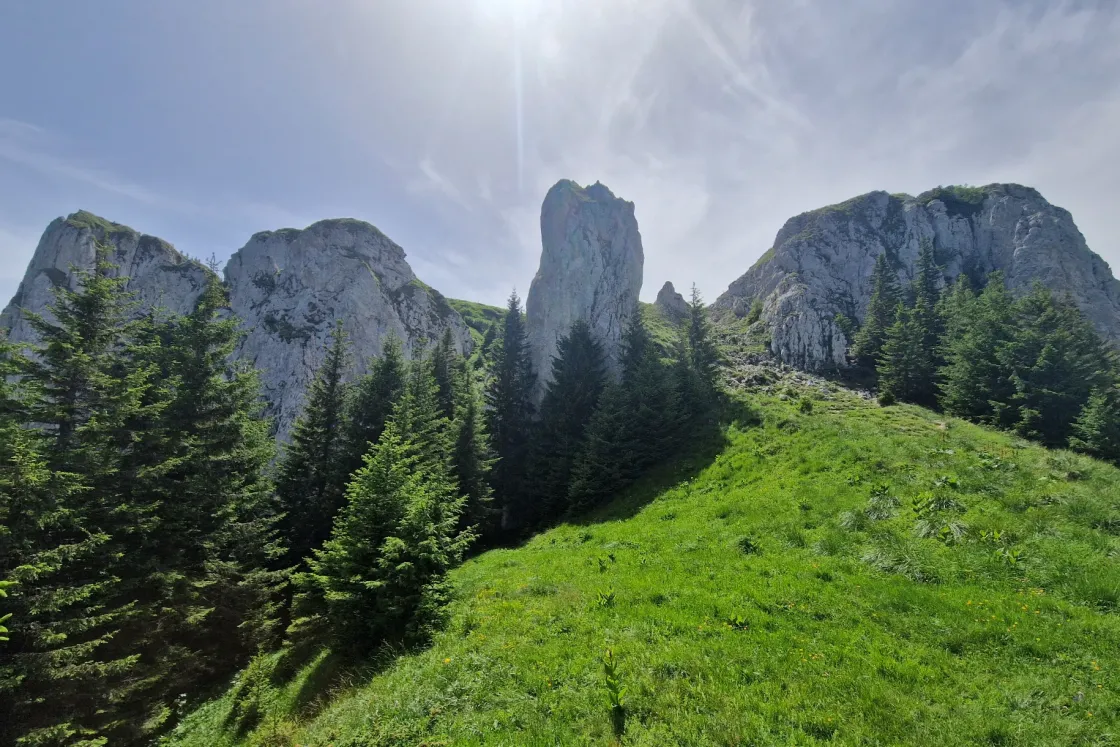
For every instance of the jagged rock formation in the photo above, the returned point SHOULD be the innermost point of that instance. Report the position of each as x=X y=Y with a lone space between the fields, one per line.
x=290 y=286
x=591 y=269
x=671 y=303
x=287 y=286
x=158 y=274
x=821 y=261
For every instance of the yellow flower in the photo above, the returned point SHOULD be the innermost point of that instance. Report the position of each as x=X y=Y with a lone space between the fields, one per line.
x=447 y=661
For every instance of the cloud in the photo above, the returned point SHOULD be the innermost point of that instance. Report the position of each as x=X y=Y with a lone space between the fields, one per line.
x=29 y=145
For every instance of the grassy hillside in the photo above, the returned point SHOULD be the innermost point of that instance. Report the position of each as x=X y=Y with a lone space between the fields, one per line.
x=477 y=316
x=829 y=572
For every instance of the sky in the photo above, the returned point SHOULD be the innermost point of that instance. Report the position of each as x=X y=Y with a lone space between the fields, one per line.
x=444 y=122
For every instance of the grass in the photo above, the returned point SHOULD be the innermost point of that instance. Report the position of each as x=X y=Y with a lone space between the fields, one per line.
x=840 y=574
x=664 y=331
x=87 y=220
x=477 y=316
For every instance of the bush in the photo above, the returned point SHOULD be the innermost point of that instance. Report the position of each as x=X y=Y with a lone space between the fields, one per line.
x=805 y=405
x=886 y=399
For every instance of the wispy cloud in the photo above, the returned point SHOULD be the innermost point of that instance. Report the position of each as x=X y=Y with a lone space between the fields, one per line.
x=29 y=145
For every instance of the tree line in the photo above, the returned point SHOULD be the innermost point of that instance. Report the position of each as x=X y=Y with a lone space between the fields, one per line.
x=152 y=540
x=1033 y=364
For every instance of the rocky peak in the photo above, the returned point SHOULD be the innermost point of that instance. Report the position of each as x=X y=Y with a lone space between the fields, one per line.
x=671 y=303
x=590 y=269
x=158 y=275
x=288 y=287
x=820 y=264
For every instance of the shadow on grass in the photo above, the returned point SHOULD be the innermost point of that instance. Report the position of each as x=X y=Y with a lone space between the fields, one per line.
x=706 y=441
x=316 y=673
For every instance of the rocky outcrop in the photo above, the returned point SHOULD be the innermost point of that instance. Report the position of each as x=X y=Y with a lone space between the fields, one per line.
x=821 y=262
x=671 y=303
x=158 y=275
x=591 y=269
x=290 y=286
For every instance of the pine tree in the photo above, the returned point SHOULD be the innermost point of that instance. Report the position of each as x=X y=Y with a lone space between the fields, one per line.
x=1097 y=429
x=372 y=403
x=905 y=363
x=637 y=423
x=509 y=399
x=380 y=577
x=312 y=475
x=881 y=311
x=45 y=661
x=91 y=403
x=974 y=382
x=219 y=529
x=1055 y=360
x=473 y=459
x=578 y=377
x=703 y=354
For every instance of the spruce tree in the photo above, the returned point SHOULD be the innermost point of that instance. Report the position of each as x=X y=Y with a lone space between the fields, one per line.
x=509 y=399
x=703 y=354
x=975 y=384
x=380 y=577
x=93 y=405
x=49 y=654
x=1097 y=429
x=1055 y=360
x=473 y=459
x=371 y=404
x=312 y=475
x=637 y=423
x=905 y=363
x=578 y=377
x=881 y=312
x=219 y=530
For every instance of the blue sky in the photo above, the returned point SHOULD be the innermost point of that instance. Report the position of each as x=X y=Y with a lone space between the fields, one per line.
x=443 y=122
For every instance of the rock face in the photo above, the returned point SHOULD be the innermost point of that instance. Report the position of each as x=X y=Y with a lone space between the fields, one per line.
x=157 y=274
x=591 y=269
x=671 y=303
x=821 y=262
x=288 y=287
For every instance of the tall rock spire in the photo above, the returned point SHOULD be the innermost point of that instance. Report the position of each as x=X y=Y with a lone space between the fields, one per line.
x=591 y=269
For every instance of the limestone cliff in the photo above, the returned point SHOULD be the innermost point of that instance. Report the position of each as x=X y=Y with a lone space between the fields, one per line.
x=821 y=261
x=157 y=274
x=288 y=287
x=591 y=269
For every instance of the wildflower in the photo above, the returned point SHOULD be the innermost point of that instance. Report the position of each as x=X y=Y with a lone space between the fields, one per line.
x=447 y=661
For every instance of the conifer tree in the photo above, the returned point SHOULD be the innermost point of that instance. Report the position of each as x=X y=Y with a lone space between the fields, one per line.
x=1097 y=429
x=81 y=674
x=219 y=529
x=509 y=399
x=881 y=312
x=974 y=381
x=905 y=363
x=703 y=354
x=380 y=577
x=1055 y=360
x=636 y=423
x=312 y=476
x=473 y=459
x=48 y=657
x=578 y=377
x=372 y=403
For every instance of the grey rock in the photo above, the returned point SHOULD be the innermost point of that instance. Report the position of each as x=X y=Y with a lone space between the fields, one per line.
x=158 y=275
x=821 y=262
x=288 y=287
x=591 y=269
x=671 y=303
